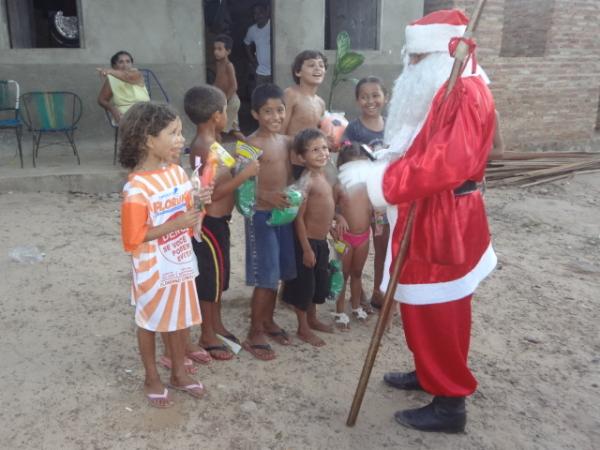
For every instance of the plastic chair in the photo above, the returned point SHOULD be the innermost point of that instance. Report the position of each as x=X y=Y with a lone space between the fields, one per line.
x=51 y=112
x=155 y=91
x=9 y=106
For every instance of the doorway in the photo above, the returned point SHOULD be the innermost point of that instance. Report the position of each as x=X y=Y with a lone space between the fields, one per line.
x=233 y=18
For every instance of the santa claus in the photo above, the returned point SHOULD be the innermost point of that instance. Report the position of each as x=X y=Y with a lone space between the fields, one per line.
x=438 y=149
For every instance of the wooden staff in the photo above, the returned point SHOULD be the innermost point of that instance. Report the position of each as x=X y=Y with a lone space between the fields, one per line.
x=388 y=299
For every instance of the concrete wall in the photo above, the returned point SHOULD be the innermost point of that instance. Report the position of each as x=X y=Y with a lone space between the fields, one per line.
x=291 y=36
x=548 y=99
x=163 y=35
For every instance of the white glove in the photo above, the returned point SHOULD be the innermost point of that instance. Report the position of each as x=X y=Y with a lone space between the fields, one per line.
x=370 y=173
x=354 y=173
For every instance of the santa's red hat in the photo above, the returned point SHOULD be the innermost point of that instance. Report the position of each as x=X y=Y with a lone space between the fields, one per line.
x=433 y=32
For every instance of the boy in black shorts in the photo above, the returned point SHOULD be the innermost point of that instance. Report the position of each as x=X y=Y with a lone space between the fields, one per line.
x=312 y=224
x=205 y=106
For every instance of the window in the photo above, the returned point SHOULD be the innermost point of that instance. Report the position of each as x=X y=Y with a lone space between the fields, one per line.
x=43 y=23
x=526 y=26
x=358 y=17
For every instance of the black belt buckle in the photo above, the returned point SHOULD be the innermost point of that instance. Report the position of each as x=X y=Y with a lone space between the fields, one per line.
x=466 y=188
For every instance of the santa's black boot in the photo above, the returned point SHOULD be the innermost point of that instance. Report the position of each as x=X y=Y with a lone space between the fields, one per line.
x=444 y=414
x=406 y=381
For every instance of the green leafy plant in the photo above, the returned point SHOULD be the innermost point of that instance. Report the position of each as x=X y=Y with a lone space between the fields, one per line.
x=346 y=62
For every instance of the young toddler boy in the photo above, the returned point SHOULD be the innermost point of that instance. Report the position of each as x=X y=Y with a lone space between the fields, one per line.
x=227 y=82
x=311 y=286
x=304 y=107
x=205 y=107
x=269 y=249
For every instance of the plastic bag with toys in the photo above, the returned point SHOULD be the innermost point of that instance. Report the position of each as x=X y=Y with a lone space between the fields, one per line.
x=295 y=194
x=333 y=125
x=283 y=216
x=245 y=194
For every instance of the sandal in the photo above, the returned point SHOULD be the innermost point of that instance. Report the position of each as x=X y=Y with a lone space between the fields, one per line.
x=196 y=390
x=341 y=321
x=360 y=314
x=219 y=352
x=264 y=352
x=187 y=363
x=161 y=401
x=281 y=337
x=366 y=306
x=232 y=338
x=200 y=356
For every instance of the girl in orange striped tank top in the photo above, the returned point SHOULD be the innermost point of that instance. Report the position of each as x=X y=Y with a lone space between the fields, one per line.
x=156 y=217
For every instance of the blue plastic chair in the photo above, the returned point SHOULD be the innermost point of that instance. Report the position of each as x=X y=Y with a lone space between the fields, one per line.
x=51 y=112
x=9 y=111
x=155 y=91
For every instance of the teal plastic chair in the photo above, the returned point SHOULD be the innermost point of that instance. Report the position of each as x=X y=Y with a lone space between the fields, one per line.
x=155 y=91
x=9 y=111
x=51 y=112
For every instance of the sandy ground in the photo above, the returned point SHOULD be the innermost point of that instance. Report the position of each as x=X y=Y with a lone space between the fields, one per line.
x=71 y=375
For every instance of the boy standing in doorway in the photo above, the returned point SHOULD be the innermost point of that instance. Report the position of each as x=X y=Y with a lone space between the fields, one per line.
x=227 y=82
x=259 y=34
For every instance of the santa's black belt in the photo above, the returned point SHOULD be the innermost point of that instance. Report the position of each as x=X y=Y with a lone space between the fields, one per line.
x=466 y=188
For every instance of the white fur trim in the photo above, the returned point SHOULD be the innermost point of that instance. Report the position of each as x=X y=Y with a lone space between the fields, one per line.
x=432 y=293
x=375 y=185
x=431 y=38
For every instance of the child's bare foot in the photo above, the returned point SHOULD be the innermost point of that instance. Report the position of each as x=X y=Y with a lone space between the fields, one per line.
x=157 y=395
x=376 y=300
x=311 y=338
x=315 y=324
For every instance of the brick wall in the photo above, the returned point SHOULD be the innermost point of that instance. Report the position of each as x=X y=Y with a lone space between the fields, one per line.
x=550 y=99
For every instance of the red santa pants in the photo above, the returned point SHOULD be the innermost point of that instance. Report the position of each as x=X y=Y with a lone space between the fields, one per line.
x=438 y=335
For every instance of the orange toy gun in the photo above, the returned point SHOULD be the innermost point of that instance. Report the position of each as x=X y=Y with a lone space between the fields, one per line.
x=206 y=179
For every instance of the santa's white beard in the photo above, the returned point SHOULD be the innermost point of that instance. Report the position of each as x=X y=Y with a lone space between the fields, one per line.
x=411 y=98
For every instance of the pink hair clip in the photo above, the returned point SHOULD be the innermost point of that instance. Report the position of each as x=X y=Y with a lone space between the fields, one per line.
x=346 y=143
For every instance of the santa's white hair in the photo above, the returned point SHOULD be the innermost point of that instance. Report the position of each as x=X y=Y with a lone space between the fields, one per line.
x=411 y=99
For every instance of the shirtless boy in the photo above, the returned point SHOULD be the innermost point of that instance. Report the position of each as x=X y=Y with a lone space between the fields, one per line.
x=312 y=224
x=227 y=82
x=304 y=108
x=269 y=249
x=205 y=106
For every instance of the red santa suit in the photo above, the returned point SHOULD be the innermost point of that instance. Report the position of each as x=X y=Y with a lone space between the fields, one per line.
x=450 y=250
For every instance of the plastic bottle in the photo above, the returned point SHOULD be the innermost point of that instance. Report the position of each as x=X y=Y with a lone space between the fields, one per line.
x=26 y=254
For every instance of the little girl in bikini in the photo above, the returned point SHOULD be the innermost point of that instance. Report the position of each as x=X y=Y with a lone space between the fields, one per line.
x=354 y=231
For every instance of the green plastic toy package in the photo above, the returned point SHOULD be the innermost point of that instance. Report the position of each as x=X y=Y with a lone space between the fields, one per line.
x=336 y=278
x=283 y=216
x=245 y=197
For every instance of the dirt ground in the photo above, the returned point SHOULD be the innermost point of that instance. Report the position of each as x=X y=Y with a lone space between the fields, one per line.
x=72 y=377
